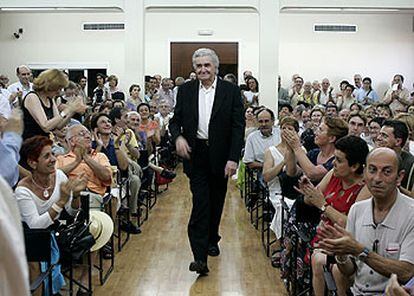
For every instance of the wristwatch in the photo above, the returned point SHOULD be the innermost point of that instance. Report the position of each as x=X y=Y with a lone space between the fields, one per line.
x=323 y=208
x=364 y=254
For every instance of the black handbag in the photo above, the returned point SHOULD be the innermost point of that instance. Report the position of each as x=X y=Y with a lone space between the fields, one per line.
x=74 y=240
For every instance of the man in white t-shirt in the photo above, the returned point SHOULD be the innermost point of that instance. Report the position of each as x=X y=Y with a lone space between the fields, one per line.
x=22 y=87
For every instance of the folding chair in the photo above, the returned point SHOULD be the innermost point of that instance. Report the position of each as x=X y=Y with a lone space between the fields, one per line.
x=38 y=249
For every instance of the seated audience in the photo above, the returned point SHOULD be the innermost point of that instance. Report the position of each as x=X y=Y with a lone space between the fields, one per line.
x=258 y=141
x=325 y=94
x=134 y=97
x=343 y=114
x=21 y=88
x=149 y=126
x=40 y=113
x=296 y=90
x=274 y=163
x=346 y=100
x=317 y=162
x=251 y=95
x=114 y=91
x=397 y=97
x=283 y=96
x=408 y=119
x=331 y=109
x=10 y=143
x=374 y=128
x=315 y=165
x=82 y=160
x=43 y=195
x=165 y=93
x=250 y=122
x=367 y=95
x=119 y=144
x=14 y=272
x=336 y=193
x=306 y=96
x=394 y=134
x=101 y=92
x=367 y=250
x=356 y=123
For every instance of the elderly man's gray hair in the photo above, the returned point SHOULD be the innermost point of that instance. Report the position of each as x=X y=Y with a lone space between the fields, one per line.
x=70 y=133
x=130 y=113
x=206 y=52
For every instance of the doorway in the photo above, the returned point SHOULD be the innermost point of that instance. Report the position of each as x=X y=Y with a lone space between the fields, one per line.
x=181 y=53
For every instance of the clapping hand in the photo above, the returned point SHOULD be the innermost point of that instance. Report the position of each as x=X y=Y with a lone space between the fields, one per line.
x=97 y=138
x=118 y=132
x=77 y=105
x=14 y=123
x=72 y=186
x=336 y=240
x=312 y=194
x=79 y=152
x=395 y=289
x=291 y=138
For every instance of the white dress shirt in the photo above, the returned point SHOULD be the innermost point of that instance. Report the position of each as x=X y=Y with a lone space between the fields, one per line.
x=205 y=106
x=15 y=87
x=5 y=108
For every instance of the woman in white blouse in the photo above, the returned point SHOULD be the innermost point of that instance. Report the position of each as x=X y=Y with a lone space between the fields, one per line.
x=274 y=164
x=251 y=96
x=44 y=194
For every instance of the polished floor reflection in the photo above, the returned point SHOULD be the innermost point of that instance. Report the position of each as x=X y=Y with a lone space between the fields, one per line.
x=156 y=261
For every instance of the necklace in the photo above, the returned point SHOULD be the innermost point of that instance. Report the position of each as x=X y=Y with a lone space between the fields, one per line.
x=45 y=189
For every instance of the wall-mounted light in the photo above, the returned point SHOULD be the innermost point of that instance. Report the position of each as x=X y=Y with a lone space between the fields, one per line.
x=18 y=33
x=206 y=32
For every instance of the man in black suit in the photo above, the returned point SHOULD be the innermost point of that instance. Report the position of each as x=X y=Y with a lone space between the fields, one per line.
x=207 y=129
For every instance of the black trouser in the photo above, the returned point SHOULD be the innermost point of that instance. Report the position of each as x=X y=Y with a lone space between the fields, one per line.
x=208 y=191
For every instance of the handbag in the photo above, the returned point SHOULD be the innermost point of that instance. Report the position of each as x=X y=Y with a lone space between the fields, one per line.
x=74 y=240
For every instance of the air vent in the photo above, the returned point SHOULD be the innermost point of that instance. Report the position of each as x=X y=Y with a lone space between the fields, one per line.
x=335 y=28
x=103 y=26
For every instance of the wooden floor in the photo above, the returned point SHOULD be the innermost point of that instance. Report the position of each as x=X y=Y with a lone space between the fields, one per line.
x=156 y=261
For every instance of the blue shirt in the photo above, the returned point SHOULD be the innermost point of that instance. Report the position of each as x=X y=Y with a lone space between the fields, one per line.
x=109 y=151
x=9 y=161
x=372 y=95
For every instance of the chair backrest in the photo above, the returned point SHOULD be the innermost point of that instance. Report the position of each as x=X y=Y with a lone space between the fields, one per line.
x=38 y=244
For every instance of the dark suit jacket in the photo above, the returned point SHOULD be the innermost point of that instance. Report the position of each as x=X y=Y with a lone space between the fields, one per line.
x=226 y=127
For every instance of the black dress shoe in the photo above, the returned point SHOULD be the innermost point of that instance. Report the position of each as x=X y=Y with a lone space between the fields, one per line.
x=130 y=228
x=168 y=174
x=213 y=250
x=200 y=267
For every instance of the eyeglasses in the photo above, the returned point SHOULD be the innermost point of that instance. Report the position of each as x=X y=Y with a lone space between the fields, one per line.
x=84 y=134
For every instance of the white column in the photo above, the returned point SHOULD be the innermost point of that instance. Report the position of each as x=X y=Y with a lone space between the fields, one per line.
x=269 y=52
x=134 y=45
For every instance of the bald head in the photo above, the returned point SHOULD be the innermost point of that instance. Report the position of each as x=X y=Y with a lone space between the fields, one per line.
x=386 y=156
x=383 y=174
x=24 y=74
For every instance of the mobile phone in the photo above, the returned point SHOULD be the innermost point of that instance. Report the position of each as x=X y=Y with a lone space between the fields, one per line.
x=395 y=87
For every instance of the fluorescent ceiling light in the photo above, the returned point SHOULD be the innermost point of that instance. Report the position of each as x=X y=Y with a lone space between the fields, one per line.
x=339 y=9
x=42 y=9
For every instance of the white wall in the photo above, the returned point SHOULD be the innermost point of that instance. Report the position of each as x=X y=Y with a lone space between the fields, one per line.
x=57 y=38
x=382 y=47
x=165 y=27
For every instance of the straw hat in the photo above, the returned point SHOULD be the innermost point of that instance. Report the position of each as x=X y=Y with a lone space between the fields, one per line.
x=101 y=227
